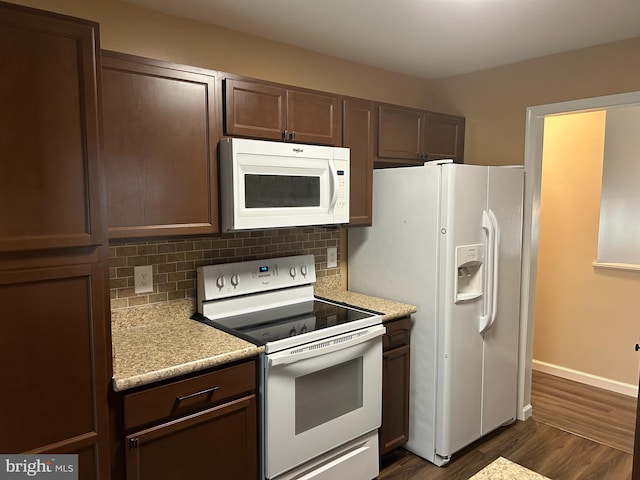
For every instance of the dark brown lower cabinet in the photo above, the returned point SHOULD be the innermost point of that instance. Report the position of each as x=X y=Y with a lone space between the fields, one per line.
x=394 y=431
x=220 y=442
x=202 y=427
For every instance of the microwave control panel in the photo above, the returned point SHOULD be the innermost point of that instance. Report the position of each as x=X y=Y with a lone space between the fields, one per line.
x=342 y=202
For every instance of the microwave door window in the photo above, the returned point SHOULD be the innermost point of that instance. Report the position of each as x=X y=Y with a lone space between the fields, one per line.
x=281 y=191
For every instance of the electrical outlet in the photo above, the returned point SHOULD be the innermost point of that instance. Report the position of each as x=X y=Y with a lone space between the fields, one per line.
x=143 y=279
x=332 y=257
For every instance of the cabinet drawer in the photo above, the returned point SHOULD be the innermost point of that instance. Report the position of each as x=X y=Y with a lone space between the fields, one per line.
x=398 y=333
x=186 y=396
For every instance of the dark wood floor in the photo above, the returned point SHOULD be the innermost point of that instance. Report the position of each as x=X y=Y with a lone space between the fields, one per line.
x=534 y=444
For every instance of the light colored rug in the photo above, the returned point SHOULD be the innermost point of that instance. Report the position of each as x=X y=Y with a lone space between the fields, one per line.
x=503 y=469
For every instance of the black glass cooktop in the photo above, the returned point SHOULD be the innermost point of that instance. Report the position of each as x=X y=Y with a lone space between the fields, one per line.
x=271 y=325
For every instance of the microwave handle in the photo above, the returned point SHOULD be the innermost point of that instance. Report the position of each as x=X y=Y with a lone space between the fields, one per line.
x=334 y=184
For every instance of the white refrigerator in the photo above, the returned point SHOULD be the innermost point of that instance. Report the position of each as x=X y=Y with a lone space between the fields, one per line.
x=448 y=239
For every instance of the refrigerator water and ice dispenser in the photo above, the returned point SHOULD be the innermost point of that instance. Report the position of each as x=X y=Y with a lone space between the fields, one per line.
x=469 y=272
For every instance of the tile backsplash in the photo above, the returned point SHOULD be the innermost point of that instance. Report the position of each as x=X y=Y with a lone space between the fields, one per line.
x=175 y=261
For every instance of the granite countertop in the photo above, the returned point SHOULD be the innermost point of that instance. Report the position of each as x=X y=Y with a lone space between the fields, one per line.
x=388 y=308
x=159 y=341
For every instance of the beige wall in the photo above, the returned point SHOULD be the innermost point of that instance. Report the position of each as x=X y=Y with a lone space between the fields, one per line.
x=585 y=318
x=494 y=101
x=128 y=28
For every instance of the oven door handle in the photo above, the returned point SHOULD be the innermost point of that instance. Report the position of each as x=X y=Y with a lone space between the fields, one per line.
x=323 y=347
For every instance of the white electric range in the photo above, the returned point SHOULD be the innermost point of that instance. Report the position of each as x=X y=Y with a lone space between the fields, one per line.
x=321 y=385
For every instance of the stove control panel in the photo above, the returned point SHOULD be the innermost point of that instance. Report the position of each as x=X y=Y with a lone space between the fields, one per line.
x=244 y=278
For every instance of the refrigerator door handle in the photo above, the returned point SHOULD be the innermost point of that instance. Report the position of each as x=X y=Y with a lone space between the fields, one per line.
x=490 y=225
x=495 y=267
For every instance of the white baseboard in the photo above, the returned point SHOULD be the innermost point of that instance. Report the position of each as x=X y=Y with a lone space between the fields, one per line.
x=526 y=412
x=586 y=378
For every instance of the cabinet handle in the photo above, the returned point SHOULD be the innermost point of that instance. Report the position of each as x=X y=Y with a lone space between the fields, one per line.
x=202 y=392
x=399 y=332
x=134 y=442
x=637 y=347
x=292 y=135
x=285 y=134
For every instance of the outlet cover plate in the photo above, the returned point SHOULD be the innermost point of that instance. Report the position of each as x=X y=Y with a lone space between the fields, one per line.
x=332 y=257
x=143 y=279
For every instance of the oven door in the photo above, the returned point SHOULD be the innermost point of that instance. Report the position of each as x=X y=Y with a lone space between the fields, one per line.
x=321 y=395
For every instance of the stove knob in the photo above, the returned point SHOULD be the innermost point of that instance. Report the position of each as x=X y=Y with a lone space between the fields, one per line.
x=292 y=272
x=303 y=270
x=235 y=280
x=220 y=282
x=292 y=333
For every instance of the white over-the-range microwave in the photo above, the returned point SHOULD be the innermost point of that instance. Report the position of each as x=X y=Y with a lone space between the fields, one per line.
x=271 y=184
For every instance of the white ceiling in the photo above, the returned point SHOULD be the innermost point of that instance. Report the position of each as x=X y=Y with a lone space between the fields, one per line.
x=423 y=38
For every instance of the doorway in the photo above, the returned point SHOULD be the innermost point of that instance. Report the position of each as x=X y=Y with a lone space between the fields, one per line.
x=583 y=313
x=534 y=136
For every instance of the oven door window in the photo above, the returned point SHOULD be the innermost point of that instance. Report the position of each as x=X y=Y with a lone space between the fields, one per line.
x=328 y=394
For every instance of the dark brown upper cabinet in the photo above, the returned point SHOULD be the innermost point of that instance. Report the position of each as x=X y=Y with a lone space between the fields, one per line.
x=408 y=136
x=49 y=172
x=277 y=112
x=161 y=132
x=444 y=137
x=359 y=134
x=400 y=134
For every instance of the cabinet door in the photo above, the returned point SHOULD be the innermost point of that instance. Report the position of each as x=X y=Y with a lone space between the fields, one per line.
x=359 y=134
x=49 y=178
x=444 y=137
x=254 y=110
x=160 y=141
x=53 y=363
x=394 y=431
x=313 y=118
x=400 y=134
x=219 y=443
